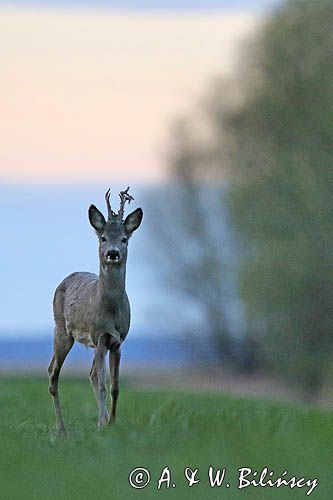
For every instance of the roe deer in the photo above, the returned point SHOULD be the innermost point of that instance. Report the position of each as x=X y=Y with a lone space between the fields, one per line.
x=94 y=310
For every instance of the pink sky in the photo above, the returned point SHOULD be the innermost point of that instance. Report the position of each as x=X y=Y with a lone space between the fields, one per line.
x=87 y=95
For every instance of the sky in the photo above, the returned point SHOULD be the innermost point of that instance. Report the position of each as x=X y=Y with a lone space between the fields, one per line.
x=46 y=235
x=165 y=5
x=87 y=99
x=87 y=94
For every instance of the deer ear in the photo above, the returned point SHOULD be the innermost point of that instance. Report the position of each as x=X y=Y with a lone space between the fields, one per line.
x=133 y=221
x=96 y=218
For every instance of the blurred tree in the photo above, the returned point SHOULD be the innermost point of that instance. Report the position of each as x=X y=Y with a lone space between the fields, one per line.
x=280 y=144
x=197 y=248
x=270 y=133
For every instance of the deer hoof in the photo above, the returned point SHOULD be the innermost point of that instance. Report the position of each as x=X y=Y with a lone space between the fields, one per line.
x=112 y=420
x=62 y=432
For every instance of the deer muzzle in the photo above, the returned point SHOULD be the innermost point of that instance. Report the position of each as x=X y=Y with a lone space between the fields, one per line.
x=113 y=257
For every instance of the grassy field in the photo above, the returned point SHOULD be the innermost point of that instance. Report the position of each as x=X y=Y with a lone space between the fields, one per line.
x=156 y=429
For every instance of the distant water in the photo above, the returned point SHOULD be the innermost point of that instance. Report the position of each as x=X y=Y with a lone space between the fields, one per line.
x=145 y=352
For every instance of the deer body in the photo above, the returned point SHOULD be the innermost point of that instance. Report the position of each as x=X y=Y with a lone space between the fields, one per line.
x=87 y=306
x=95 y=310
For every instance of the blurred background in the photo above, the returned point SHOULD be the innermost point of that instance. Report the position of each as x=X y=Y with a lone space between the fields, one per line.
x=218 y=114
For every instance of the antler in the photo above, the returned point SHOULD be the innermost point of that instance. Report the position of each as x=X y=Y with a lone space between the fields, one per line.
x=111 y=213
x=124 y=196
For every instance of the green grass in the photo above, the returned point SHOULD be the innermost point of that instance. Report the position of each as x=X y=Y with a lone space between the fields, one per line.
x=155 y=429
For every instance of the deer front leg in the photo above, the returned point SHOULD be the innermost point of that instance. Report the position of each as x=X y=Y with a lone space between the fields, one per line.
x=94 y=382
x=114 y=361
x=99 y=364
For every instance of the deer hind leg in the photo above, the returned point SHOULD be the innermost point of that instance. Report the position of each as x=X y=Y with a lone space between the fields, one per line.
x=62 y=345
x=100 y=387
x=114 y=361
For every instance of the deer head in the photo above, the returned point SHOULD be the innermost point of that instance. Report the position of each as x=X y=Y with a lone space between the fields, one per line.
x=114 y=233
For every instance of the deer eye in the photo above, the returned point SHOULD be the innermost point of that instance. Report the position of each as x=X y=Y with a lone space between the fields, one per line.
x=124 y=240
x=103 y=239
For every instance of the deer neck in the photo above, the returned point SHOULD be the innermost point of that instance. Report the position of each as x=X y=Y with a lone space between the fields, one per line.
x=112 y=282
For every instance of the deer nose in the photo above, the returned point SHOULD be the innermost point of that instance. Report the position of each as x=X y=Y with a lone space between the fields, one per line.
x=113 y=255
